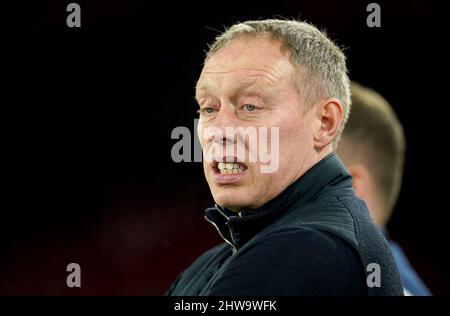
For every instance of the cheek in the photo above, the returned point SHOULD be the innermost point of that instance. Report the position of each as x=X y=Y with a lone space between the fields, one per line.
x=205 y=144
x=290 y=134
x=295 y=141
x=200 y=132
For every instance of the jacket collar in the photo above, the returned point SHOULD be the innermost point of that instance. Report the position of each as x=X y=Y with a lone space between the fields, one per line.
x=237 y=229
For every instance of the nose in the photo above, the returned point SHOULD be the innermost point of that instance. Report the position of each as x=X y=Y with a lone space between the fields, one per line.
x=222 y=131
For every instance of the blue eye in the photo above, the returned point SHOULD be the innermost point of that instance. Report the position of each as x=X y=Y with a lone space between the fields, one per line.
x=207 y=110
x=249 y=107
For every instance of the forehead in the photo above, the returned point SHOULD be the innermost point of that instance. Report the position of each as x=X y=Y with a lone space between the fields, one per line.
x=247 y=60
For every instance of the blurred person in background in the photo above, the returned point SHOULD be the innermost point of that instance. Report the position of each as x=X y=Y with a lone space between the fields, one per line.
x=373 y=150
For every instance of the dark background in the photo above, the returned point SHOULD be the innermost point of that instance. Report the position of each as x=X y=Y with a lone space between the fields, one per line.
x=86 y=174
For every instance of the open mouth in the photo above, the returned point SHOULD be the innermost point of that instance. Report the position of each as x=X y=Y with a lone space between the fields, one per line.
x=228 y=165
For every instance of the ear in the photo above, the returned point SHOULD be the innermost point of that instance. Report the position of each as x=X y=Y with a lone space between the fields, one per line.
x=363 y=187
x=360 y=178
x=330 y=115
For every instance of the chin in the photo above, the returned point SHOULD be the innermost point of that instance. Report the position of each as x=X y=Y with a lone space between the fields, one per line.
x=231 y=200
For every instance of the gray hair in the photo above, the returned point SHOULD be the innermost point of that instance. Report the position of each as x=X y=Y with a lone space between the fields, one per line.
x=321 y=66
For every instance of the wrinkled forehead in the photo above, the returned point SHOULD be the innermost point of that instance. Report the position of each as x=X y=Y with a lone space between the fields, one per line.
x=245 y=52
x=254 y=58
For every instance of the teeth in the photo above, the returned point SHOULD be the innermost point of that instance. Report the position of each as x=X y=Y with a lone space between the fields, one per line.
x=230 y=168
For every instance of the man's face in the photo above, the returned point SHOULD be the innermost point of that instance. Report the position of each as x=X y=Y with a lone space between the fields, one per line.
x=250 y=84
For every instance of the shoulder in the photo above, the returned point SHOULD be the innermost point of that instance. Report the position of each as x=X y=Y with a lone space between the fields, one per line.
x=206 y=263
x=303 y=244
x=203 y=267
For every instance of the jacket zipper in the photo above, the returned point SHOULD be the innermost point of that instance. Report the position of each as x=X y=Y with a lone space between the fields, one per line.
x=233 y=247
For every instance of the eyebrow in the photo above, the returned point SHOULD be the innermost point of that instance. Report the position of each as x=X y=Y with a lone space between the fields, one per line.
x=244 y=84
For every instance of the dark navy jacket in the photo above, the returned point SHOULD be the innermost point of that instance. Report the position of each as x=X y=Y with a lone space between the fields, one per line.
x=315 y=238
